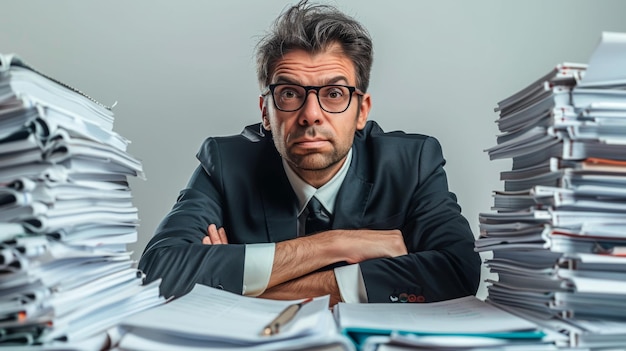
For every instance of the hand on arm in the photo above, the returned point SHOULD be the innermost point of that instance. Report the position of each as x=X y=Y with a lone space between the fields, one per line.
x=215 y=236
x=311 y=285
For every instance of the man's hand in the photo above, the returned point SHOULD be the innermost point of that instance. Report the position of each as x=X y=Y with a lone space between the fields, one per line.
x=356 y=246
x=311 y=285
x=215 y=236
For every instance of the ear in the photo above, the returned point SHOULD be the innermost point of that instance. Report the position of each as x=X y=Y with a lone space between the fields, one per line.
x=263 y=107
x=364 y=110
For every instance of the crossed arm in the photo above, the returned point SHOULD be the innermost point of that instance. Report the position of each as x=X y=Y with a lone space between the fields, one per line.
x=294 y=271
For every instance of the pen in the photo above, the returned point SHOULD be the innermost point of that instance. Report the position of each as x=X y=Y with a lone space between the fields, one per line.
x=284 y=317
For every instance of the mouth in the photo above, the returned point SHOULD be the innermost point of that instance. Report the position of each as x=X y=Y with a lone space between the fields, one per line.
x=310 y=139
x=311 y=143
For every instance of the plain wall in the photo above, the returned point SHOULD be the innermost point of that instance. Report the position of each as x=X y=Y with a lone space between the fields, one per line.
x=183 y=70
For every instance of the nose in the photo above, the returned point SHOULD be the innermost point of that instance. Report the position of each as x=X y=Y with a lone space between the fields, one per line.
x=311 y=113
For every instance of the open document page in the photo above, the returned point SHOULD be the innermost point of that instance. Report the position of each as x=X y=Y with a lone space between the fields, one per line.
x=209 y=318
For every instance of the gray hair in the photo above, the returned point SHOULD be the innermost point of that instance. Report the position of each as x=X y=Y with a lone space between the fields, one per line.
x=314 y=28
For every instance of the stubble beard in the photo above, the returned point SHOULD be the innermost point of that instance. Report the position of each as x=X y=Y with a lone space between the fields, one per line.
x=314 y=161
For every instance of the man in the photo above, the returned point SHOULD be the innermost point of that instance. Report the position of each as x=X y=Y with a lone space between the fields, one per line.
x=315 y=199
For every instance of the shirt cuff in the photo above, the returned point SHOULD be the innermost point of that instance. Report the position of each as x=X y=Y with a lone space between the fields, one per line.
x=351 y=285
x=257 y=268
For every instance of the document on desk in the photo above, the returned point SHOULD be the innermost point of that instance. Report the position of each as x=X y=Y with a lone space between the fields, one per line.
x=466 y=316
x=209 y=318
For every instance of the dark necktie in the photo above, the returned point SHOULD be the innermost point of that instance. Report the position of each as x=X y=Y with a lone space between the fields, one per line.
x=317 y=219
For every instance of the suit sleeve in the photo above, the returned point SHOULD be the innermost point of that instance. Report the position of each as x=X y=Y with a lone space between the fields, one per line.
x=441 y=263
x=176 y=253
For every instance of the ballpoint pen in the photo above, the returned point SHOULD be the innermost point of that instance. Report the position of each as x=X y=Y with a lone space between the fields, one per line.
x=284 y=317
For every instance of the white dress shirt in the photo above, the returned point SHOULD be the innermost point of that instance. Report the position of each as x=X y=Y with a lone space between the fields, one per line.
x=260 y=257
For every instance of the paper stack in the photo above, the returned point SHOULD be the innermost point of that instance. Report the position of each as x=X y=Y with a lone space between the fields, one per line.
x=559 y=234
x=66 y=215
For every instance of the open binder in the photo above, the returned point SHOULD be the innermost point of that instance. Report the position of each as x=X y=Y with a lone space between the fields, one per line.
x=467 y=317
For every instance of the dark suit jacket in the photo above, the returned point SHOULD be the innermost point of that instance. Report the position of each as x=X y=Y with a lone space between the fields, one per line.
x=395 y=181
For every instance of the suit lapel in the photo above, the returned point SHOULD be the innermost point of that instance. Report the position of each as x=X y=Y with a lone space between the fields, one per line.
x=353 y=195
x=278 y=199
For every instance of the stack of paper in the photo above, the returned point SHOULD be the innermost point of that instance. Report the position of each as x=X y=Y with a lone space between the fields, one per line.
x=559 y=234
x=66 y=215
x=465 y=323
x=213 y=319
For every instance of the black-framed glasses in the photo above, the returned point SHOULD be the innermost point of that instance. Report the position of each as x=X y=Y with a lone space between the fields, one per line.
x=334 y=98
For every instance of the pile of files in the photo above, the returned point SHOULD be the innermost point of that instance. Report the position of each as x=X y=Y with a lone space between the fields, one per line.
x=558 y=236
x=66 y=216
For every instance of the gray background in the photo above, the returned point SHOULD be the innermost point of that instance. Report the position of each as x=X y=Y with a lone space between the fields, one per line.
x=184 y=70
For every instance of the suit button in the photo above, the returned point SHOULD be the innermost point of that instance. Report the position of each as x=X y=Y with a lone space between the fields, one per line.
x=219 y=286
x=421 y=298
x=394 y=296
x=404 y=297
x=412 y=298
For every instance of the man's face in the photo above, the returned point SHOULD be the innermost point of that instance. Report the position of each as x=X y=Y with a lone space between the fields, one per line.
x=315 y=142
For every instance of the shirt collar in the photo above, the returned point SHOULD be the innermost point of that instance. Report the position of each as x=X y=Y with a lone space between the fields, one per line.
x=326 y=194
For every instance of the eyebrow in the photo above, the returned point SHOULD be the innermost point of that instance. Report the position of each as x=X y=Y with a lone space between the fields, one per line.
x=334 y=80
